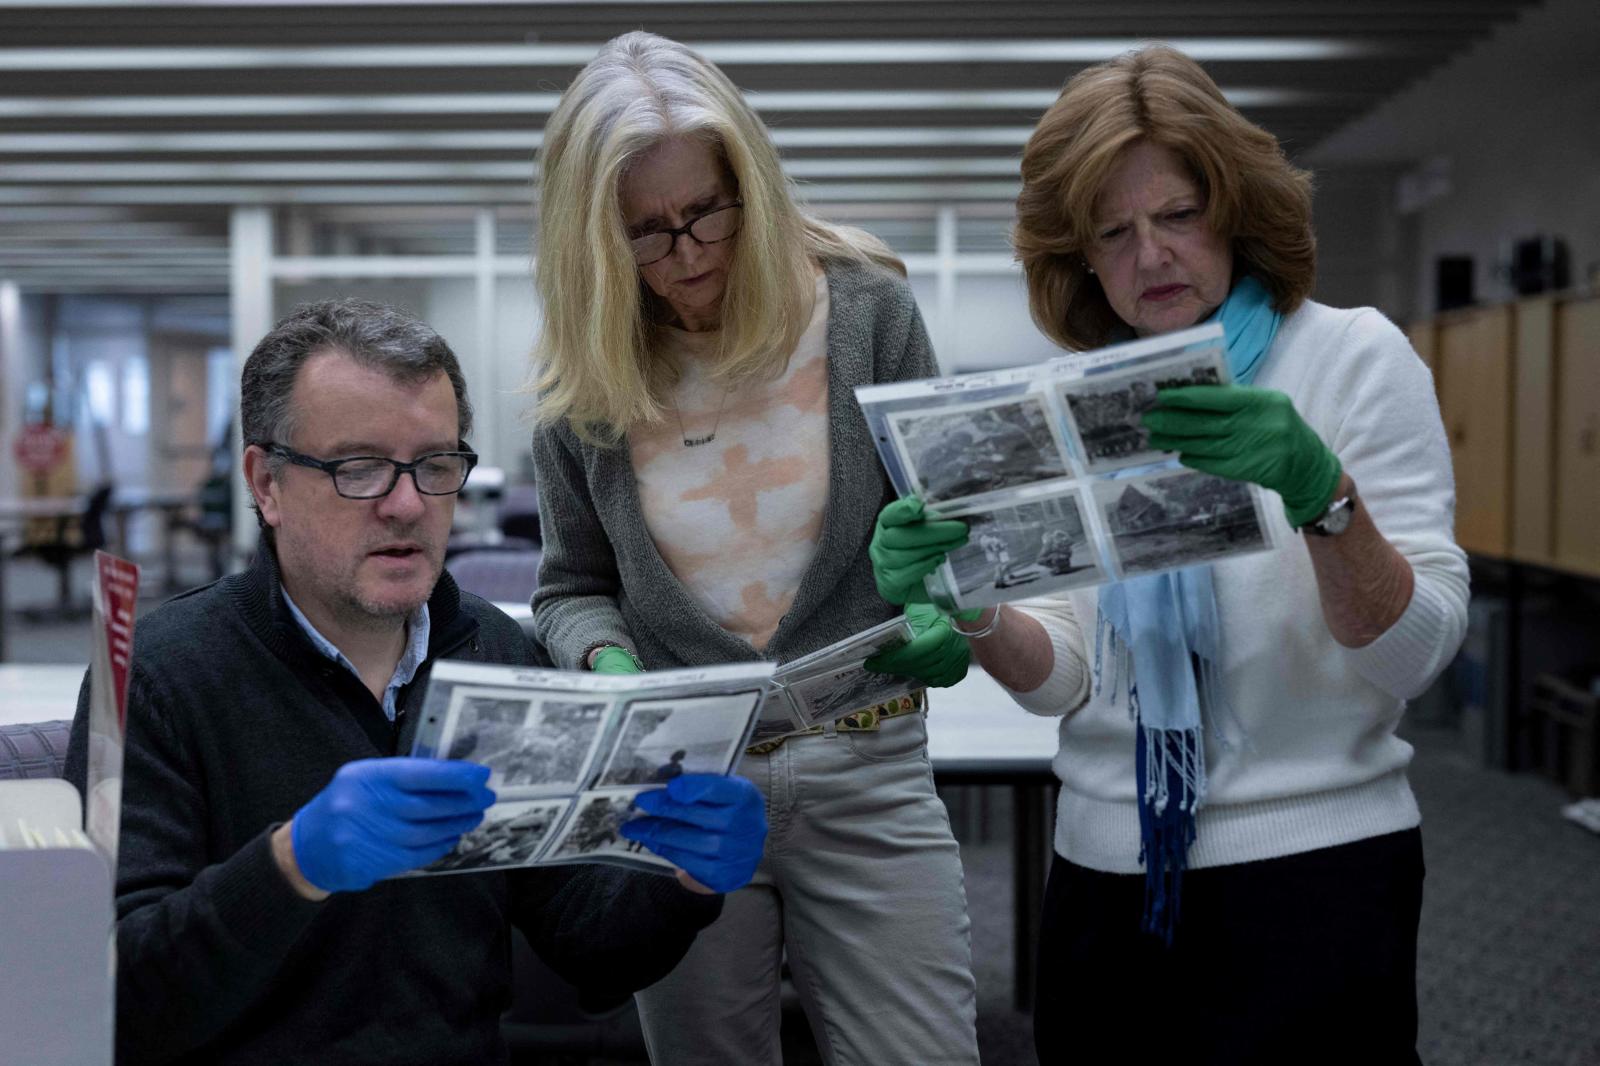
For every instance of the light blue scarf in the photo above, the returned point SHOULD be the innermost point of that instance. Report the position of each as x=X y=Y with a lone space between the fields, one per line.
x=1167 y=625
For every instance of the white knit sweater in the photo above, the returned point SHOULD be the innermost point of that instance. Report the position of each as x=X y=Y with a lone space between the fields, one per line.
x=1320 y=764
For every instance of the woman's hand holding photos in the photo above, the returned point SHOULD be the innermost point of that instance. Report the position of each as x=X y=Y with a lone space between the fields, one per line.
x=1248 y=434
x=711 y=827
x=381 y=817
x=615 y=660
x=937 y=655
x=906 y=547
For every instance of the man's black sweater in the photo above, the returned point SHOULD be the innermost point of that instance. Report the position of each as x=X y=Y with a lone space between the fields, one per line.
x=234 y=722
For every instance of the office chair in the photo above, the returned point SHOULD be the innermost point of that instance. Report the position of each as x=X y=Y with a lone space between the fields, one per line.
x=488 y=540
x=211 y=524
x=74 y=535
x=497 y=575
x=519 y=512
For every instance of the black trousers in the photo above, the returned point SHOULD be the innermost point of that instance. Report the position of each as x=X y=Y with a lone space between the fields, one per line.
x=1310 y=958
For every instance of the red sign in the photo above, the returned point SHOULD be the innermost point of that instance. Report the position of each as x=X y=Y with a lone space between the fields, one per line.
x=119 y=589
x=40 y=448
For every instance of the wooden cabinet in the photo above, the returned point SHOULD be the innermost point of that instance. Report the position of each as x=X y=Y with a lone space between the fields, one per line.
x=1423 y=336
x=1533 y=435
x=1577 y=436
x=1474 y=381
x=1519 y=392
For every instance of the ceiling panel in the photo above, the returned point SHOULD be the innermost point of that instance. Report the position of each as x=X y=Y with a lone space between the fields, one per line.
x=165 y=114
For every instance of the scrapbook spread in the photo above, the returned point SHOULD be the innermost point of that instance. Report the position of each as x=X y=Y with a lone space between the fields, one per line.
x=569 y=751
x=1052 y=470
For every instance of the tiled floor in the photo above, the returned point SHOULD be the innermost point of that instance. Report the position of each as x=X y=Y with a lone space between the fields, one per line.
x=1508 y=966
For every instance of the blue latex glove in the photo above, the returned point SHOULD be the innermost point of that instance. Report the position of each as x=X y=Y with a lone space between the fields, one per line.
x=709 y=826
x=381 y=817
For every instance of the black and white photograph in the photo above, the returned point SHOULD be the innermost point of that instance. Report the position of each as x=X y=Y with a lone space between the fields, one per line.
x=662 y=739
x=850 y=651
x=528 y=743
x=510 y=834
x=1179 y=519
x=775 y=720
x=1105 y=411
x=1024 y=550
x=592 y=830
x=967 y=450
x=832 y=693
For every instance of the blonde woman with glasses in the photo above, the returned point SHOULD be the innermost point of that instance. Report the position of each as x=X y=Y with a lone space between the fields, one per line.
x=708 y=488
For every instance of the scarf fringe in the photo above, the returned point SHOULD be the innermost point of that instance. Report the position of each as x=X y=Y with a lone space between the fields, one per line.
x=1167 y=829
x=1171 y=764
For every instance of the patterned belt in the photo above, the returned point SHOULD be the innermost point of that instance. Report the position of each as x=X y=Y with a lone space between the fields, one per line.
x=862 y=720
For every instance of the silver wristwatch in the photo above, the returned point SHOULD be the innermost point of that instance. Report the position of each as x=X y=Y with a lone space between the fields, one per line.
x=1335 y=520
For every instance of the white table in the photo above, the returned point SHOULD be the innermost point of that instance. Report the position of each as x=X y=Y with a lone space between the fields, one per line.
x=38 y=692
x=975 y=727
x=978 y=735
x=18 y=509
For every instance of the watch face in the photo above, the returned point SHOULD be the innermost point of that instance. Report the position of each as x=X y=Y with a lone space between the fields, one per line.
x=1337 y=520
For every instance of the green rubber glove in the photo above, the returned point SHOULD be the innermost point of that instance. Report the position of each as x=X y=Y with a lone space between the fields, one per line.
x=937 y=655
x=615 y=660
x=906 y=548
x=1248 y=434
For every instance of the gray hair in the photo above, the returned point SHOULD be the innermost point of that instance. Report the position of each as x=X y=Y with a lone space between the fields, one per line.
x=375 y=335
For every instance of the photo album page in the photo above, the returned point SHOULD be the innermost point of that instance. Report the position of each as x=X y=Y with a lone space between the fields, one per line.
x=1052 y=470
x=832 y=682
x=568 y=751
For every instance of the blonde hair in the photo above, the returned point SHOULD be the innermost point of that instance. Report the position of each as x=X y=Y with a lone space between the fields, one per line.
x=594 y=361
x=1255 y=200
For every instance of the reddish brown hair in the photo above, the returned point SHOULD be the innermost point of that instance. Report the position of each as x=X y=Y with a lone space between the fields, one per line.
x=1255 y=199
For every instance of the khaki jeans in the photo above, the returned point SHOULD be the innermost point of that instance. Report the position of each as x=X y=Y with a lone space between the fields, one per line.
x=861 y=887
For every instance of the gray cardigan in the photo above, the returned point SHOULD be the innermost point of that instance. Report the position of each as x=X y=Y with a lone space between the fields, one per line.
x=602 y=578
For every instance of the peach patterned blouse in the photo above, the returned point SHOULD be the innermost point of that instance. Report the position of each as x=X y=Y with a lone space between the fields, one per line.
x=737 y=519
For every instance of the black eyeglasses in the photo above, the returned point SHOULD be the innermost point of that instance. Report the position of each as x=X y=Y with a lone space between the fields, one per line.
x=709 y=227
x=367 y=477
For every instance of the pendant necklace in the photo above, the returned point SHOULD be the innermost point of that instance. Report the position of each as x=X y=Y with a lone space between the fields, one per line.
x=695 y=442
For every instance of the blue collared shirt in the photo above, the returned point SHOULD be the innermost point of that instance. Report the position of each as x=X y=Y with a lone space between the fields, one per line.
x=416 y=651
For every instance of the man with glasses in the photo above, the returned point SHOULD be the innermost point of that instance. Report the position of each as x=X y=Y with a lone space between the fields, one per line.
x=266 y=805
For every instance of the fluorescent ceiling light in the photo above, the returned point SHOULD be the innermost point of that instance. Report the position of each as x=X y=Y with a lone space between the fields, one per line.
x=264 y=172
x=96 y=266
x=274 y=141
x=105 y=233
x=184 y=106
x=544 y=103
x=904 y=137
x=382 y=171
x=731 y=53
x=904 y=168
x=472 y=140
x=33 y=251
x=223 y=195
x=98 y=261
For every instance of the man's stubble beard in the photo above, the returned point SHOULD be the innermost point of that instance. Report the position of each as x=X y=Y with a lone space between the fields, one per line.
x=352 y=610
